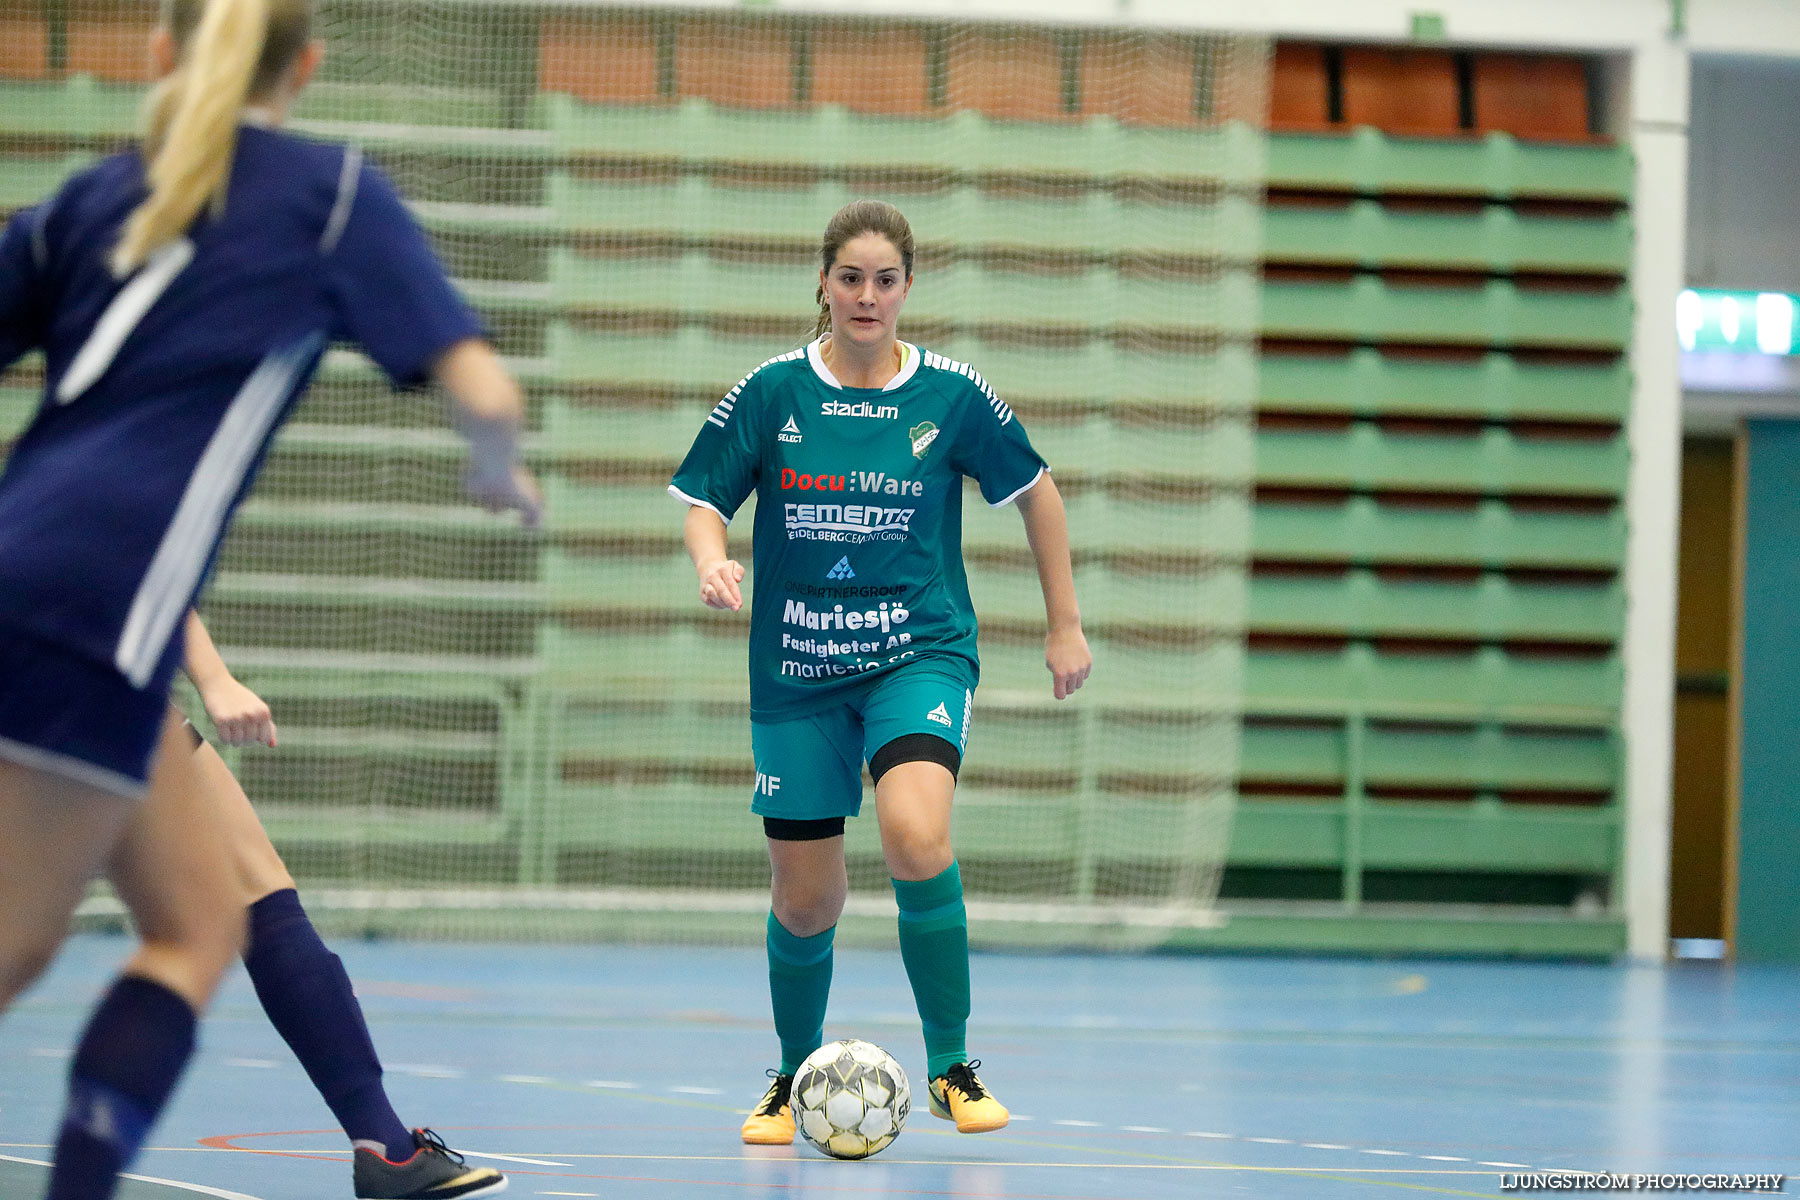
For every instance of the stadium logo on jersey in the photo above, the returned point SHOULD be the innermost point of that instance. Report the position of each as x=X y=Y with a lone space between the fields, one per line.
x=922 y=435
x=789 y=432
x=842 y=570
x=862 y=408
x=939 y=715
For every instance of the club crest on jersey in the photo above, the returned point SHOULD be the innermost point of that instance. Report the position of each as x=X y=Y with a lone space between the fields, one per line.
x=922 y=435
x=842 y=570
x=862 y=408
x=789 y=432
x=939 y=715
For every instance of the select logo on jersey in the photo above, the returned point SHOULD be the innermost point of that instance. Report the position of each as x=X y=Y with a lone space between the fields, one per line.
x=848 y=522
x=922 y=435
x=939 y=715
x=842 y=570
x=862 y=408
x=789 y=432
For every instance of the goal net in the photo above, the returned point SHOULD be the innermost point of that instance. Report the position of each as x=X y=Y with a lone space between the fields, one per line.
x=492 y=732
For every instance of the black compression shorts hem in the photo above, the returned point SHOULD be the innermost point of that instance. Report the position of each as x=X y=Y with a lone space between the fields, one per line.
x=916 y=747
x=780 y=829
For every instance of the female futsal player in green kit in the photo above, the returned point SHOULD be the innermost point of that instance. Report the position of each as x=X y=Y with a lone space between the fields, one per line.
x=862 y=635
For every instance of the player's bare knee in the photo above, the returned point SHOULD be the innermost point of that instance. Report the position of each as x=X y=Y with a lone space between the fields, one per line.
x=259 y=876
x=913 y=852
x=809 y=906
x=203 y=936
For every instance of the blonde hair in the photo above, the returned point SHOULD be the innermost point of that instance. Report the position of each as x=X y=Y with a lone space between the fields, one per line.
x=846 y=225
x=229 y=52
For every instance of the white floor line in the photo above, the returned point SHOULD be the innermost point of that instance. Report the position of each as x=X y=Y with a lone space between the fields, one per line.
x=426 y=1070
x=1113 y=1165
x=530 y=1162
x=1067 y=1123
x=199 y=1188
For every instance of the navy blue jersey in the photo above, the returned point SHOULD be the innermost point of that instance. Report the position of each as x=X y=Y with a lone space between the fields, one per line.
x=163 y=390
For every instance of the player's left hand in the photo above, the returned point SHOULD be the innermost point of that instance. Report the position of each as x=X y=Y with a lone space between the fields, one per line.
x=239 y=714
x=1066 y=654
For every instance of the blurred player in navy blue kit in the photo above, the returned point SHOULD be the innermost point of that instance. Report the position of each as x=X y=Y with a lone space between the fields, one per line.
x=183 y=294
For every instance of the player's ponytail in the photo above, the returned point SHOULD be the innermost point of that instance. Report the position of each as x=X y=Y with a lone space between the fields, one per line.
x=229 y=51
x=846 y=225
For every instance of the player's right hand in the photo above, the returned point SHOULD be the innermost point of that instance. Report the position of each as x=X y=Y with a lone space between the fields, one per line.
x=239 y=714
x=516 y=489
x=719 y=585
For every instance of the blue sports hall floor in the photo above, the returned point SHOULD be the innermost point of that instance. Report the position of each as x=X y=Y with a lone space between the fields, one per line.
x=622 y=1072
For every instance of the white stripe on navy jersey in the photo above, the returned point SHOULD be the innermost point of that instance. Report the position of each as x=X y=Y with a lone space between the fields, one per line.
x=40 y=239
x=721 y=412
x=1001 y=408
x=186 y=545
x=122 y=316
x=346 y=197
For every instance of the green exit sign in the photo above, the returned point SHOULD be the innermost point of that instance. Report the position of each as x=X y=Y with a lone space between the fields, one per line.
x=1738 y=322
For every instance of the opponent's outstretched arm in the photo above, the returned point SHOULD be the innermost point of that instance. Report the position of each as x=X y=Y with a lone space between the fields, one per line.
x=1047 y=530
x=488 y=409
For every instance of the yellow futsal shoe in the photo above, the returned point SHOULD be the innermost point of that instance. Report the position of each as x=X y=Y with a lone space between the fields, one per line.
x=771 y=1122
x=957 y=1095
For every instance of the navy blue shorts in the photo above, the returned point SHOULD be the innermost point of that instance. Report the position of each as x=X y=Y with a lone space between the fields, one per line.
x=63 y=713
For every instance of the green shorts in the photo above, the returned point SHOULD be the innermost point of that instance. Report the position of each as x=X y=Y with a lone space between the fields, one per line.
x=811 y=768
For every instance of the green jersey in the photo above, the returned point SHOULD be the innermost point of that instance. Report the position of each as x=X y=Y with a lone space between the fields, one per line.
x=858 y=536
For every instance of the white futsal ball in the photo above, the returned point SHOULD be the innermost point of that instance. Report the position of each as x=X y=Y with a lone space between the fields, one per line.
x=850 y=1098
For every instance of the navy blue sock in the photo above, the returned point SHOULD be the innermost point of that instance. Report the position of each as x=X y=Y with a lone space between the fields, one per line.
x=305 y=991
x=127 y=1062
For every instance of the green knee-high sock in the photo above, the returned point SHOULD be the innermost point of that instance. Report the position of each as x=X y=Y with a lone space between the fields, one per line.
x=934 y=945
x=799 y=982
